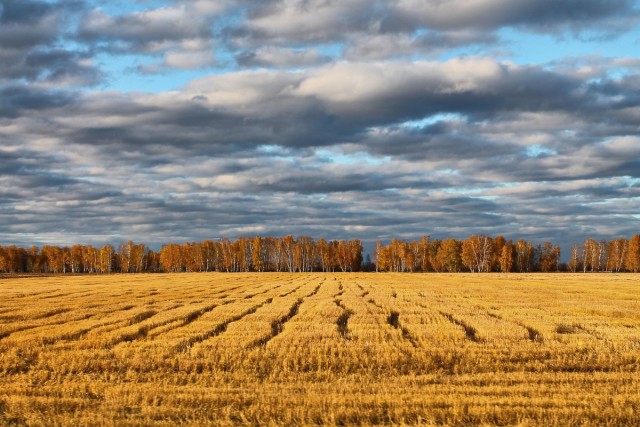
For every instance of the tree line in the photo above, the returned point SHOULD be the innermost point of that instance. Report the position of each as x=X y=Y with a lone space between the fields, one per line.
x=285 y=254
x=481 y=253
x=477 y=253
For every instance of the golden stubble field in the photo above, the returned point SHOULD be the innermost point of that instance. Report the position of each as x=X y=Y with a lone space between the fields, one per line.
x=331 y=349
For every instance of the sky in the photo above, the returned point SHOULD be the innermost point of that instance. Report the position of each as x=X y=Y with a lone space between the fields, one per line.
x=185 y=120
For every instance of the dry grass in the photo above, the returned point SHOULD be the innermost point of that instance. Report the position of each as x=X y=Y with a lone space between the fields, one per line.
x=332 y=349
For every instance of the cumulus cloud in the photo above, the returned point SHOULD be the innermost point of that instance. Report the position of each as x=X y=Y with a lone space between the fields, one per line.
x=313 y=20
x=32 y=49
x=377 y=29
x=181 y=34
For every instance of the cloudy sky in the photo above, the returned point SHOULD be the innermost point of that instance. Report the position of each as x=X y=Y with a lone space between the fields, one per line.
x=190 y=119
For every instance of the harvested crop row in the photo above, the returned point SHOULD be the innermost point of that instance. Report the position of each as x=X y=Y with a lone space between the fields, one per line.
x=295 y=349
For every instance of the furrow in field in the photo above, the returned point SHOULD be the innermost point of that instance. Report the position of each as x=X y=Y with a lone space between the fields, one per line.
x=343 y=320
x=533 y=334
x=133 y=329
x=219 y=329
x=179 y=320
x=92 y=323
x=52 y=312
x=46 y=322
x=377 y=312
x=491 y=326
x=176 y=334
x=233 y=347
x=286 y=294
x=394 y=321
x=371 y=337
x=150 y=324
x=470 y=332
x=30 y=315
x=36 y=294
x=62 y=295
x=113 y=329
x=412 y=311
x=310 y=342
x=73 y=328
x=267 y=290
x=277 y=325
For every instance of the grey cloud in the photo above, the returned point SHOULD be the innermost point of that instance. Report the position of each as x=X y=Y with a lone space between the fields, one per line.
x=310 y=21
x=23 y=11
x=31 y=35
x=141 y=30
x=565 y=193
x=543 y=15
x=61 y=66
x=331 y=179
x=366 y=46
x=567 y=211
x=390 y=91
x=396 y=27
x=448 y=141
x=188 y=127
x=25 y=24
x=281 y=58
x=365 y=105
x=16 y=100
x=235 y=154
x=30 y=174
x=181 y=34
x=407 y=15
x=50 y=66
x=595 y=65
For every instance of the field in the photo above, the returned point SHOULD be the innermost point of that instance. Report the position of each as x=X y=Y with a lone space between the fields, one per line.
x=331 y=349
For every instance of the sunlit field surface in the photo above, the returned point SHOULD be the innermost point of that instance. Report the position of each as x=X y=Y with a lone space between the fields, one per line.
x=299 y=349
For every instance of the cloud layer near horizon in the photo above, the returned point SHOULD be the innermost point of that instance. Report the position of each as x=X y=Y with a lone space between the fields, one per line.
x=332 y=119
